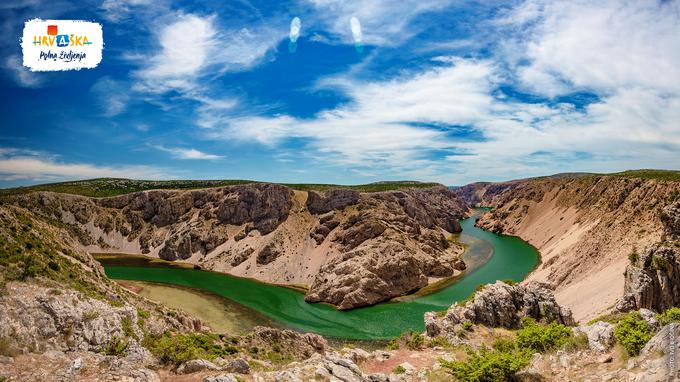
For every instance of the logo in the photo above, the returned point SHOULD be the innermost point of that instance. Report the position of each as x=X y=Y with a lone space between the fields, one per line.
x=62 y=45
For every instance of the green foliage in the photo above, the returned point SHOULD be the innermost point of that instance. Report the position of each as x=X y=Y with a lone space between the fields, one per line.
x=89 y=316
x=175 y=349
x=467 y=326
x=128 y=330
x=415 y=341
x=393 y=344
x=439 y=341
x=509 y=281
x=670 y=315
x=116 y=346
x=488 y=365
x=107 y=187
x=669 y=175
x=542 y=338
x=7 y=347
x=632 y=333
x=633 y=257
x=399 y=370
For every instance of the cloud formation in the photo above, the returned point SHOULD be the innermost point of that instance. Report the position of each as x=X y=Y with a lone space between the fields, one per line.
x=295 y=26
x=190 y=154
x=19 y=164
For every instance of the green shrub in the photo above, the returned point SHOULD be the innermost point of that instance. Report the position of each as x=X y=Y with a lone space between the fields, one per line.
x=439 y=341
x=467 y=326
x=488 y=365
x=183 y=347
x=633 y=257
x=399 y=370
x=670 y=315
x=632 y=333
x=393 y=344
x=542 y=338
x=415 y=341
x=116 y=346
x=128 y=330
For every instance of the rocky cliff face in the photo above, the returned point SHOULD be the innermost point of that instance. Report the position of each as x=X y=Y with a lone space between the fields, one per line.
x=350 y=248
x=652 y=279
x=584 y=227
x=501 y=305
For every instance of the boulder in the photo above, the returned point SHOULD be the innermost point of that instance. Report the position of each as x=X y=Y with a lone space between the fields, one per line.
x=652 y=281
x=600 y=335
x=502 y=305
x=196 y=365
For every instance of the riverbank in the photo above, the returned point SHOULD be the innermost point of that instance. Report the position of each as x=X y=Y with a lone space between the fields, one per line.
x=512 y=259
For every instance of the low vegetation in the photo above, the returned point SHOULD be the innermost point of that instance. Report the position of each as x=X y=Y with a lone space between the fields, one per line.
x=632 y=332
x=107 y=187
x=179 y=348
x=669 y=316
x=510 y=354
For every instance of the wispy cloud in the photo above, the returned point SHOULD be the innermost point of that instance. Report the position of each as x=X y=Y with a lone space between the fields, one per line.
x=19 y=164
x=191 y=153
x=112 y=95
x=21 y=74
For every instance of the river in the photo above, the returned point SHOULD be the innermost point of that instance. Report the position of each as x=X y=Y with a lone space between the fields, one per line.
x=490 y=257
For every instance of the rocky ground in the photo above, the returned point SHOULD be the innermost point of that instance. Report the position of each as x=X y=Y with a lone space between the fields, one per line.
x=349 y=248
x=584 y=226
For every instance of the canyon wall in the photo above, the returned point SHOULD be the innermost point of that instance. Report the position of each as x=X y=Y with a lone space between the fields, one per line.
x=584 y=226
x=349 y=248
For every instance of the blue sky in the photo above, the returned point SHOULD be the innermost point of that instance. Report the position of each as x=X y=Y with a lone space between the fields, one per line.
x=432 y=90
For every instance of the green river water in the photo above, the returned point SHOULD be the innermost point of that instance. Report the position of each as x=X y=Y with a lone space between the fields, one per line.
x=490 y=257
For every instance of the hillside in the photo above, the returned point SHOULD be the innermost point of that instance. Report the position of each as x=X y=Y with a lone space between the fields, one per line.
x=585 y=228
x=349 y=248
x=106 y=187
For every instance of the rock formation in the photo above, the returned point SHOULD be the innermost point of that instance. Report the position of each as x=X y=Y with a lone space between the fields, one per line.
x=501 y=305
x=395 y=242
x=584 y=226
x=653 y=277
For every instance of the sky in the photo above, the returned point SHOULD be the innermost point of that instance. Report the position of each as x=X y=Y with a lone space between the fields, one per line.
x=347 y=92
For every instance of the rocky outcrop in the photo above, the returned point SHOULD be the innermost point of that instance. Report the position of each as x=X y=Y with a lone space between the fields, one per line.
x=652 y=279
x=389 y=247
x=297 y=345
x=269 y=232
x=600 y=335
x=332 y=200
x=501 y=305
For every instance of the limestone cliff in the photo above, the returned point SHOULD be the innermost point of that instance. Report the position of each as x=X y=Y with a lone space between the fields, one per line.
x=584 y=226
x=350 y=248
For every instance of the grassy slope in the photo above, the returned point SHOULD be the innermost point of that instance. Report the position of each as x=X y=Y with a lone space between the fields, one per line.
x=103 y=187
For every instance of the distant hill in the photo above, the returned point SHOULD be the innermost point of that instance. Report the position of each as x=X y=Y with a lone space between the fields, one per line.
x=104 y=187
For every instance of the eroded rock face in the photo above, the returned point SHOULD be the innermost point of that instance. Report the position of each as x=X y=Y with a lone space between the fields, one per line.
x=653 y=281
x=600 y=335
x=502 y=305
x=389 y=247
x=670 y=217
x=295 y=344
x=331 y=200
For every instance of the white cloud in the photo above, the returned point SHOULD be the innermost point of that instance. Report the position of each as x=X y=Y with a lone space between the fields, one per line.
x=355 y=26
x=193 y=48
x=383 y=22
x=377 y=129
x=22 y=75
x=117 y=10
x=112 y=96
x=17 y=164
x=192 y=154
x=602 y=46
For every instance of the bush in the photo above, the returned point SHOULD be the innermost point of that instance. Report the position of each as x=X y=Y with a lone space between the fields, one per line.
x=633 y=257
x=116 y=346
x=632 y=333
x=670 y=315
x=184 y=347
x=415 y=341
x=488 y=365
x=399 y=370
x=542 y=338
